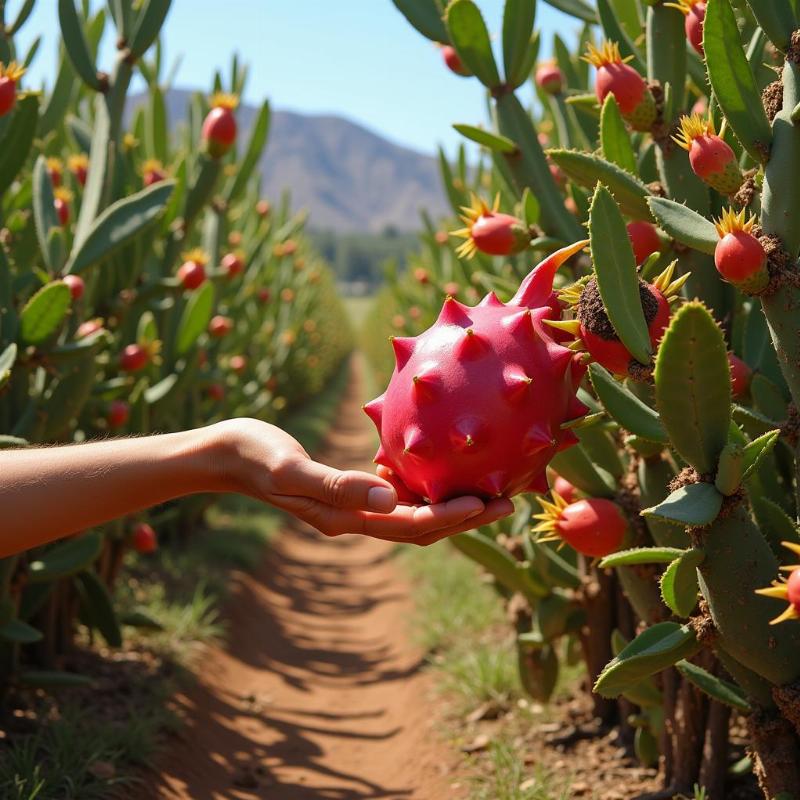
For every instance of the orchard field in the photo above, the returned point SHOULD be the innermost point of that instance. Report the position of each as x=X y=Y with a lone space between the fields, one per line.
x=606 y=329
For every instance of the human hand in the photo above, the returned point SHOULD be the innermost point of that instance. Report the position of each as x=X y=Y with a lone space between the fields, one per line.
x=264 y=462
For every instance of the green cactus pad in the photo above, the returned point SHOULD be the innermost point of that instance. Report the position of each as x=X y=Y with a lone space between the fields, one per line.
x=654 y=649
x=471 y=40
x=587 y=170
x=696 y=504
x=679 y=583
x=717 y=689
x=732 y=80
x=693 y=386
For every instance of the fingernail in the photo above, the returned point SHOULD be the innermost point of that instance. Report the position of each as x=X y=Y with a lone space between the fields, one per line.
x=379 y=498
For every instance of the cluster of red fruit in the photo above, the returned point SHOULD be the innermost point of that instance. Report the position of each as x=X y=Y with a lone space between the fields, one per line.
x=192 y=272
x=78 y=165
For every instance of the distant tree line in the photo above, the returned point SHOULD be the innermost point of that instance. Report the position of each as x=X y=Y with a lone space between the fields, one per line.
x=358 y=258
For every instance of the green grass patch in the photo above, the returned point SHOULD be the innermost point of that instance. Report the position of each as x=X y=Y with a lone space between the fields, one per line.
x=81 y=756
x=506 y=777
x=461 y=623
x=184 y=584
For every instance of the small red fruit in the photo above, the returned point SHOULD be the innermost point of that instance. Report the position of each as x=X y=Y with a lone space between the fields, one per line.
x=788 y=590
x=153 y=172
x=594 y=527
x=61 y=202
x=491 y=232
x=263 y=295
x=739 y=256
x=644 y=240
x=558 y=176
x=219 y=126
x=118 y=414
x=598 y=335
x=710 y=157
x=288 y=248
x=79 y=167
x=233 y=263
x=421 y=276
x=76 y=286
x=565 y=489
x=741 y=375
x=550 y=79
x=134 y=358
x=634 y=98
x=220 y=326
x=192 y=272
x=262 y=208
x=55 y=171
x=144 y=539
x=216 y=391
x=454 y=63
x=9 y=77
x=793 y=589
x=451 y=289
x=695 y=13
x=238 y=364
x=89 y=327
x=442 y=238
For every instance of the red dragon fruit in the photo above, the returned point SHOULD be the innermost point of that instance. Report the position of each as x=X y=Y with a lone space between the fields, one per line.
x=593 y=330
x=477 y=402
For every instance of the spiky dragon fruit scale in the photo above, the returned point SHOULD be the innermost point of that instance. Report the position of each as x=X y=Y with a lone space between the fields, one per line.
x=476 y=403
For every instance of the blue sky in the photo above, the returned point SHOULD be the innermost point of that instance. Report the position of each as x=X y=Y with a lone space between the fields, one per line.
x=356 y=58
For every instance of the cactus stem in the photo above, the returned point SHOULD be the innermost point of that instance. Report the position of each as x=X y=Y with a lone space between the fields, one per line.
x=778 y=218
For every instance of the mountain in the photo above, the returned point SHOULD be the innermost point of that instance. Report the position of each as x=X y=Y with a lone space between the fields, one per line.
x=349 y=178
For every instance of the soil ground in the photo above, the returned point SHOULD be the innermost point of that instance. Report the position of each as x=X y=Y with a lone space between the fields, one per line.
x=318 y=692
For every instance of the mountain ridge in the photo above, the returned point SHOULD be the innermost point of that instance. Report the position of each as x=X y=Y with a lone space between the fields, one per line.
x=350 y=178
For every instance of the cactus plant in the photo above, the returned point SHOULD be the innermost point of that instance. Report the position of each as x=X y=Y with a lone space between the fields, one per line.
x=97 y=335
x=692 y=423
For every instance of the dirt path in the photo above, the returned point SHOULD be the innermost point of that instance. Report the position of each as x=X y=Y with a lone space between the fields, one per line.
x=319 y=693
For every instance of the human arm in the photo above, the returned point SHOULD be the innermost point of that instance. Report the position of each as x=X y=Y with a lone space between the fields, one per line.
x=48 y=493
